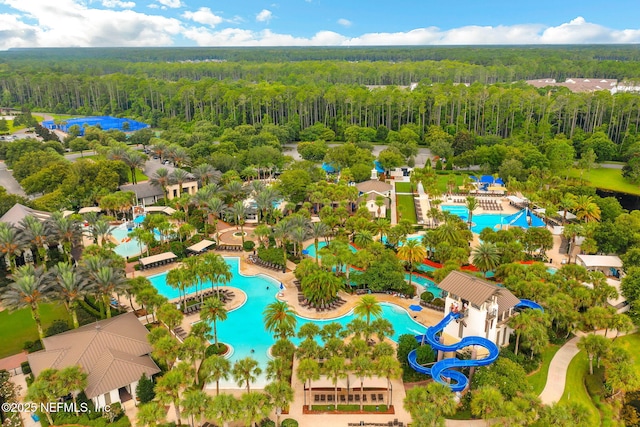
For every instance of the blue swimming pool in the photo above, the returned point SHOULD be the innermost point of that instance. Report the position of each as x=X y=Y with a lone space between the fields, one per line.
x=128 y=247
x=480 y=221
x=244 y=329
x=311 y=249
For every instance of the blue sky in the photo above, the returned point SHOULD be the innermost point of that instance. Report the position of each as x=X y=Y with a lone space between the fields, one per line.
x=61 y=23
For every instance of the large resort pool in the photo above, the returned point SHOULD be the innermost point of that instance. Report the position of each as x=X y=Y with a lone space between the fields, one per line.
x=244 y=328
x=479 y=221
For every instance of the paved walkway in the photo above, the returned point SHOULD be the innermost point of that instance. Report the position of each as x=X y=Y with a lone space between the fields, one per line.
x=557 y=376
x=12 y=362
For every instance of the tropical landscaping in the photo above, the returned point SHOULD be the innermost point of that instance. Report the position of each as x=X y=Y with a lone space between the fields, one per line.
x=325 y=242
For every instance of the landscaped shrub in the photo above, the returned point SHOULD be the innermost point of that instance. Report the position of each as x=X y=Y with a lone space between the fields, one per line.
x=31 y=346
x=26 y=369
x=248 y=245
x=58 y=326
x=144 y=389
x=426 y=296
x=273 y=255
x=267 y=423
x=289 y=422
x=438 y=302
x=218 y=350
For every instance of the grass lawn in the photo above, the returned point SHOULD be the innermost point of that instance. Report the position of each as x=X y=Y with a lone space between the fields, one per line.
x=406 y=208
x=139 y=176
x=575 y=390
x=607 y=179
x=404 y=187
x=631 y=343
x=18 y=327
x=444 y=179
x=539 y=379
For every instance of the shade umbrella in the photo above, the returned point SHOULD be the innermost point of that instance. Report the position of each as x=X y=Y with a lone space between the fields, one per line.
x=414 y=307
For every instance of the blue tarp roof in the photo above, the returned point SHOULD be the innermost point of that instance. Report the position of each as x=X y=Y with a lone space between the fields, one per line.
x=104 y=122
x=524 y=219
x=499 y=181
x=486 y=179
x=378 y=166
x=328 y=168
x=474 y=178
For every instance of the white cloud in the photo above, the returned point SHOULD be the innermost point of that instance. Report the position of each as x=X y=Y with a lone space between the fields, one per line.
x=263 y=16
x=203 y=16
x=344 y=22
x=71 y=23
x=172 y=4
x=118 y=3
x=43 y=23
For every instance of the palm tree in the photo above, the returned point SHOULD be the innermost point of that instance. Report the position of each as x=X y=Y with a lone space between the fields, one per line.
x=428 y=405
x=308 y=370
x=335 y=368
x=236 y=191
x=254 y=407
x=215 y=269
x=471 y=204
x=39 y=392
x=107 y=281
x=29 y=288
x=246 y=370
x=102 y=230
x=388 y=367
x=595 y=346
x=71 y=287
x=150 y=414
x=367 y=307
x=213 y=310
x=363 y=238
x=195 y=402
x=566 y=203
x=12 y=243
x=265 y=200
x=73 y=380
x=238 y=213
x=382 y=227
x=180 y=278
x=170 y=386
x=216 y=207
x=280 y=395
x=523 y=322
x=379 y=202
x=36 y=233
x=412 y=252
x=486 y=402
x=321 y=287
x=135 y=160
x=362 y=366
x=486 y=256
x=66 y=231
x=205 y=173
x=586 y=209
x=224 y=408
x=161 y=178
x=193 y=349
x=215 y=368
x=280 y=319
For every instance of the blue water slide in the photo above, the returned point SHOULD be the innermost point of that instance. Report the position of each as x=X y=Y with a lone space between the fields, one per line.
x=445 y=369
x=525 y=303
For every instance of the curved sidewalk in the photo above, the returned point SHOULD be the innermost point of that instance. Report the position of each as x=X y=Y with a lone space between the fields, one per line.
x=557 y=376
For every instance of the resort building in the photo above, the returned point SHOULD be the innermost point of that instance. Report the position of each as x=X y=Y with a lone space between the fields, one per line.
x=18 y=212
x=487 y=307
x=113 y=352
x=369 y=191
x=610 y=265
x=147 y=194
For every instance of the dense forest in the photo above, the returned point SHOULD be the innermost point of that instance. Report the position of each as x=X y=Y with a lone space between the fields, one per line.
x=477 y=89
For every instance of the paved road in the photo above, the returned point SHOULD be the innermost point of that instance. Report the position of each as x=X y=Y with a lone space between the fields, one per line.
x=153 y=165
x=9 y=182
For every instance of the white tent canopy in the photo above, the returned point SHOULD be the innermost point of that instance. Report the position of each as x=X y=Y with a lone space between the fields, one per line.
x=516 y=199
